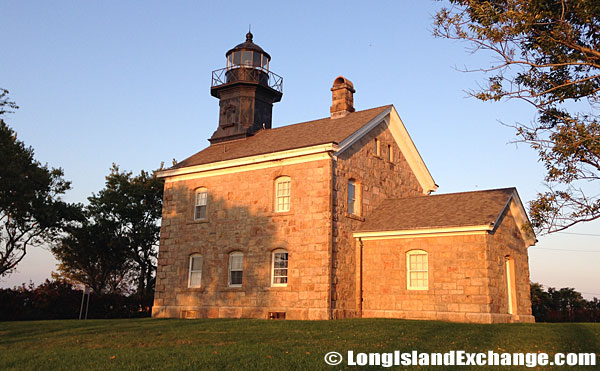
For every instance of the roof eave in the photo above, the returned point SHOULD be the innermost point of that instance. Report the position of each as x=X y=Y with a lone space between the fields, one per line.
x=392 y=120
x=419 y=232
x=249 y=160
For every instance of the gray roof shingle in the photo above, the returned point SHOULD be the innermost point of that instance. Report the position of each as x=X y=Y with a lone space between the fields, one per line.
x=438 y=211
x=300 y=135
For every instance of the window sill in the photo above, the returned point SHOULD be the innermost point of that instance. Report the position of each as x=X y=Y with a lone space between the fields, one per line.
x=232 y=289
x=282 y=213
x=194 y=289
x=355 y=217
x=199 y=221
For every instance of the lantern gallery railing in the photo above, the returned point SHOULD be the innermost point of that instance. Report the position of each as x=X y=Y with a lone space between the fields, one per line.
x=251 y=74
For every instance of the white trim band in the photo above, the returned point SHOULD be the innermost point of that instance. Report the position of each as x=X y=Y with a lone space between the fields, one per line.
x=329 y=147
x=475 y=229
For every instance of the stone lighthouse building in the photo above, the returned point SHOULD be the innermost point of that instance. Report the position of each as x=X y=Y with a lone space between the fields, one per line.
x=330 y=218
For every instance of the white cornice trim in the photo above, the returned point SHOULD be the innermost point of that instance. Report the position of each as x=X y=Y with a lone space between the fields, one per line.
x=521 y=219
x=251 y=167
x=474 y=229
x=276 y=156
x=392 y=121
x=410 y=152
x=519 y=215
x=346 y=143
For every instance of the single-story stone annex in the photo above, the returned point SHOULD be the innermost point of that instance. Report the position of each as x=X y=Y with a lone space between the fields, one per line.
x=331 y=218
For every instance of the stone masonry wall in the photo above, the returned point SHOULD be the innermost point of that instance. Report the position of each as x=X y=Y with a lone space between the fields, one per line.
x=241 y=217
x=457 y=274
x=507 y=241
x=378 y=179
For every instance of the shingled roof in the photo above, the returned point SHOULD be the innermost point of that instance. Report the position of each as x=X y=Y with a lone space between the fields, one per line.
x=306 y=134
x=439 y=211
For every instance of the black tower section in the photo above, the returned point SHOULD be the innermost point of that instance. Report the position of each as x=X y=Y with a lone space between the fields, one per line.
x=246 y=90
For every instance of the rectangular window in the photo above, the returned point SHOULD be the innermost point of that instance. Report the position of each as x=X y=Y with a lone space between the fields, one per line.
x=283 y=191
x=195 y=277
x=201 y=203
x=256 y=62
x=247 y=58
x=237 y=56
x=351 y=197
x=280 y=268
x=509 y=265
x=417 y=269
x=377 y=147
x=390 y=153
x=236 y=269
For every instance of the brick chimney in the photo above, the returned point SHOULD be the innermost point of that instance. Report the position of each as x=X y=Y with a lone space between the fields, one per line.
x=343 y=100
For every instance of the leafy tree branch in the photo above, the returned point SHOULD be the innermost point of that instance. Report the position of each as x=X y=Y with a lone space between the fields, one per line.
x=546 y=53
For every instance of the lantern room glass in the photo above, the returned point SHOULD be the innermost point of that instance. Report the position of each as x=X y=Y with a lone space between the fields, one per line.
x=247 y=58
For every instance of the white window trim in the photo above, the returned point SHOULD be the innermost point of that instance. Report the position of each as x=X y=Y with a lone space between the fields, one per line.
x=408 y=270
x=196 y=193
x=357 y=200
x=229 y=270
x=283 y=179
x=509 y=266
x=273 y=284
x=190 y=271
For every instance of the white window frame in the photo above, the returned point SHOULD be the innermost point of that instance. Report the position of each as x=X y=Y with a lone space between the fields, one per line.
x=409 y=284
x=230 y=269
x=511 y=285
x=197 y=271
x=201 y=200
x=283 y=199
x=273 y=276
x=355 y=201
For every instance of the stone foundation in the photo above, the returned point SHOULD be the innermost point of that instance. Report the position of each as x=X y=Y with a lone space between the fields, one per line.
x=193 y=312
x=467 y=317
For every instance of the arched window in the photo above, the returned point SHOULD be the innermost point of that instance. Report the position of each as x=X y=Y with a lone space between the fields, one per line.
x=279 y=268
x=195 y=271
x=511 y=289
x=201 y=204
x=236 y=269
x=354 y=202
x=283 y=190
x=417 y=272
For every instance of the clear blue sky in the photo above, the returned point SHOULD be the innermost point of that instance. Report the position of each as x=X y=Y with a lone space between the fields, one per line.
x=128 y=82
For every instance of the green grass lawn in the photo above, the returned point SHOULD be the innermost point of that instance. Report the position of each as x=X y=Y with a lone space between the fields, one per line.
x=209 y=344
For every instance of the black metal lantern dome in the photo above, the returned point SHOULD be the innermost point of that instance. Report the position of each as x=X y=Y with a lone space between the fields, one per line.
x=247 y=63
x=248 y=54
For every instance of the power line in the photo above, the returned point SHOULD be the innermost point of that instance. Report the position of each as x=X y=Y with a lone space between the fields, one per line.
x=549 y=248
x=581 y=234
x=581 y=292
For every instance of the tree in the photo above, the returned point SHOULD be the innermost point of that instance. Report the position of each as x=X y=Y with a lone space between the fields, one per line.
x=547 y=54
x=93 y=254
x=541 y=302
x=6 y=105
x=31 y=209
x=132 y=206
